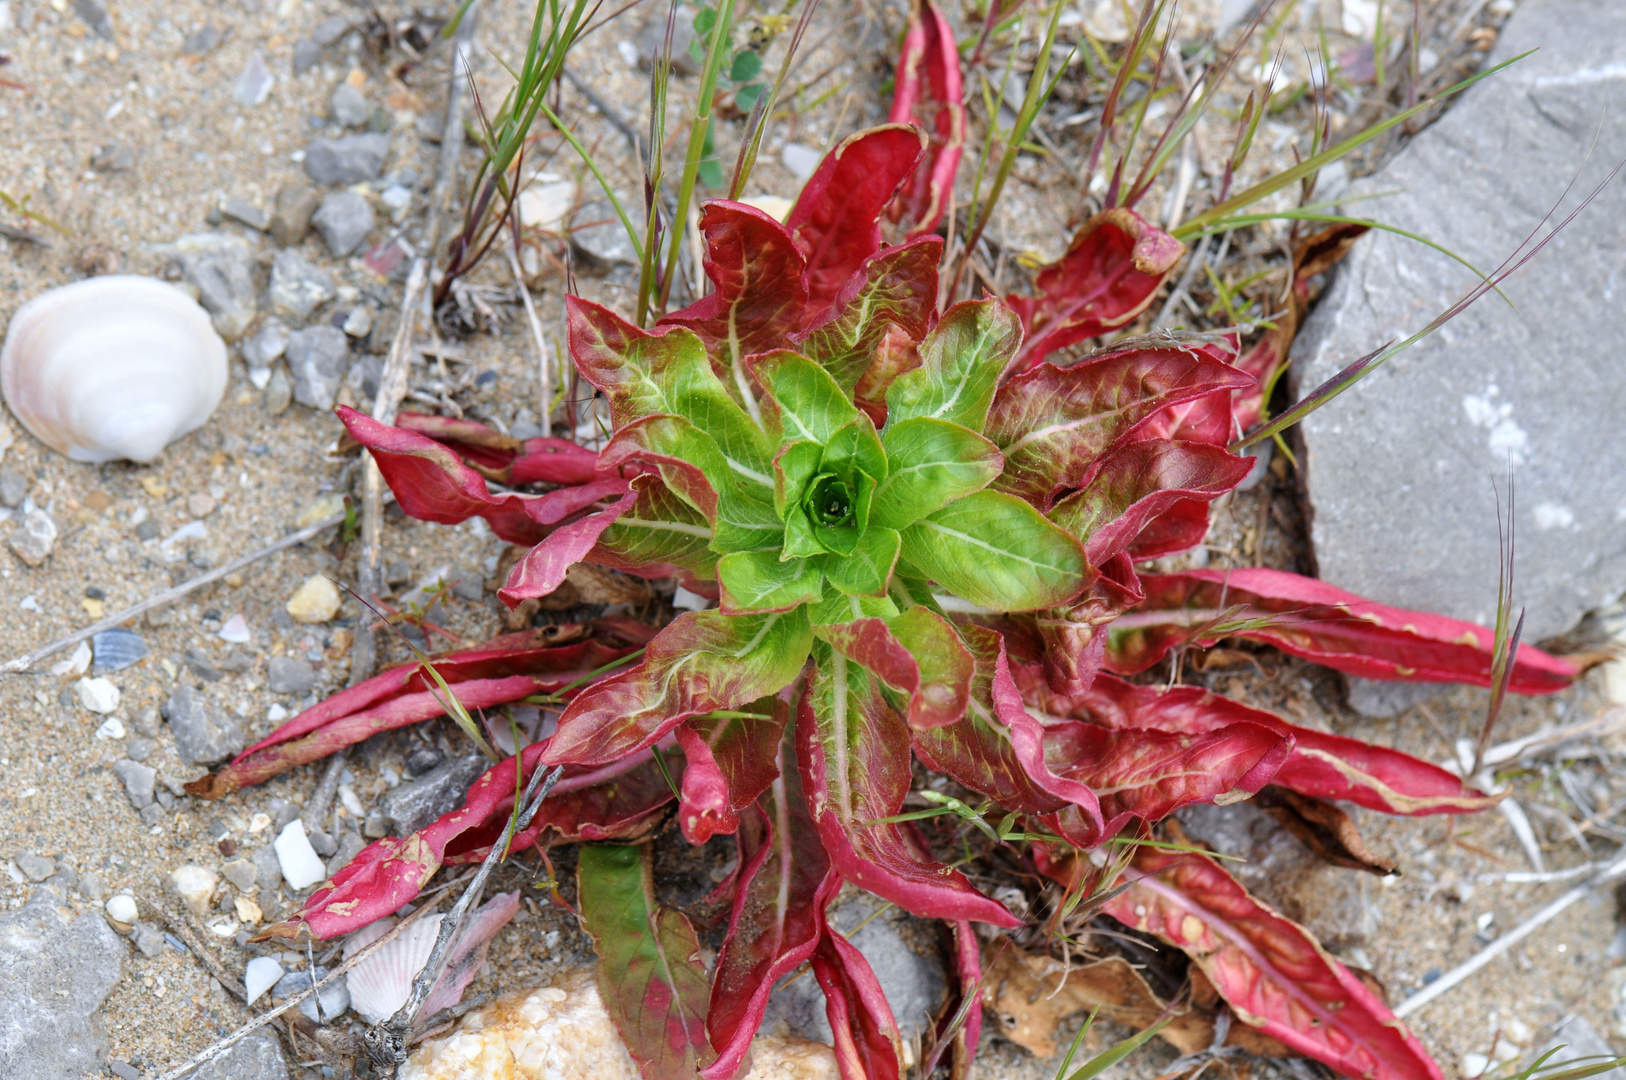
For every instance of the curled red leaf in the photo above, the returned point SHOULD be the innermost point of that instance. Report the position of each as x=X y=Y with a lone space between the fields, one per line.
x=868 y=1044
x=503 y=458
x=929 y=92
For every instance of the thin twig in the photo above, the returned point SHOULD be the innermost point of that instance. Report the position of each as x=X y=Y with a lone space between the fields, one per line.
x=169 y=596
x=1462 y=972
x=536 y=333
x=392 y=383
x=293 y=1001
x=326 y=788
x=387 y=1042
x=183 y=930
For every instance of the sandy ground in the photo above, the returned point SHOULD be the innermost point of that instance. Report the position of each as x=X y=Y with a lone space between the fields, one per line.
x=193 y=146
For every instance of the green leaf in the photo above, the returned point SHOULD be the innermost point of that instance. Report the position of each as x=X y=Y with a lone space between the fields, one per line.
x=800 y=540
x=961 y=361
x=794 y=467
x=998 y=552
x=747 y=66
x=803 y=401
x=704 y=20
x=650 y=973
x=826 y=493
x=746 y=96
x=932 y=463
x=868 y=569
x=838 y=607
x=758 y=581
x=855 y=446
x=660 y=529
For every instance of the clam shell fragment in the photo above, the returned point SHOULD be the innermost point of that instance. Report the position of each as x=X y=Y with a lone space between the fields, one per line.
x=112 y=367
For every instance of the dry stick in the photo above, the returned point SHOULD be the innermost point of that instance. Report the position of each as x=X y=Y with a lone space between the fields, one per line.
x=293 y=1002
x=387 y=1042
x=168 y=596
x=392 y=383
x=536 y=333
x=326 y=788
x=1461 y=972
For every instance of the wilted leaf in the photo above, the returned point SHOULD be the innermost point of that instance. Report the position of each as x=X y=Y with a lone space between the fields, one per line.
x=1324 y=829
x=728 y=762
x=503 y=458
x=928 y=92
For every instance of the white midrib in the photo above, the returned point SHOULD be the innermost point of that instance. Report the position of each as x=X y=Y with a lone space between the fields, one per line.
x=844 y=797
x=974 y=542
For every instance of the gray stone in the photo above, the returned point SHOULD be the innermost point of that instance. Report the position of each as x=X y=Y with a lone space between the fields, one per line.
x=317 y=359
x=96 y=16
x=330 y=29
x=13 y=488
x=257 y=1057
x=152 y=815
x=348 y=107
x=1281 y=871
x=902 y=950
x=148 y=939
x=265 y=345
x=199 y=664
x=1401 y=468
x=291 y=220
x=344 y=221
x=117 y=649
x=221 y=266
x=114 y=157
x=279 y=392
x=267 y=869
x=92 y=888
x=241 y=873
x=139 y=781
x=33 y=540
x=307 y=53
x=323 y=844
x=202 y=735
x=298 y=286
x=139 y=748
x=202 y=42
x=147 y=721
x=57 y=974
x=414 y=805
x=124 y=1070
x=255 y=217
x=290 y=675
x=349 y=159
x=1572 y=1040
x=599 y=239
x=350 y=845
x=365 y=374
x=236 y=662
x=651 y=41
x=148 y=530
x=35 y=867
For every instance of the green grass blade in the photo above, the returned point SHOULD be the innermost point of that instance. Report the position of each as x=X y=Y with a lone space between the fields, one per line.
x=1111 y=1056
x=587 y=159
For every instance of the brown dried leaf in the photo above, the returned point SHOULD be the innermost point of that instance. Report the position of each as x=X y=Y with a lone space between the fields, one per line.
x=1324 y=828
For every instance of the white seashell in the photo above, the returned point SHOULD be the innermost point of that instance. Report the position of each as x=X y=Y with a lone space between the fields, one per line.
x=112 y=367
x=379 y=985
x=564 y=1031
x=261 y=975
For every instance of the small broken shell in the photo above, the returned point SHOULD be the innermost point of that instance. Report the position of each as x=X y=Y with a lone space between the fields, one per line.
x=380 y=984
x=564 y=1031
x=112 y=367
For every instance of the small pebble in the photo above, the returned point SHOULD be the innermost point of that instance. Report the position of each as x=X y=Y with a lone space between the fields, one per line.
x=122 y=908
x=35 y=867
x=147 y=721
x=195 y=885
x=235 y=630
x=254 y=217
x=33 y=540
x=254 y=85
x=140 y=781
x=92 y=889
x=315 y=601
x=149 y=940
x=301 y=867
x=348 y=107
x=117 y=649
x=13 y=488
x=344 y=220
x=124 y=1070
x=296 y=203
x=112 y=728
x=240 y=872
x=139 y=748
x=236 y=662
x=261 y=975
x=200 y=505
x=198 y=663
x=290 y=675
x=359 y=323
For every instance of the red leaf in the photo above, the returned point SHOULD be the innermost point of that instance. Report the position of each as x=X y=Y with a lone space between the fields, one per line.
x=897 y=292
x=1322 y=623
x=661 y=536
x=1076 y=636
x=701 y=662
x=928 y=93
x=1269 y=969
x=1136 y=486
x=543 y=568
x=500 y=671
x=868 y=1045
x=1110 y=273
x=854 y=754
x=776 y=920
x=836 y=219
x=431 y=484
x=978 y=749
x=1149 y=774
x=505 y=459
x=619 y=802
x=759 y=297
x=918 y=654
x=1055 y=424
x=730 y=761
x=1322 y=765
